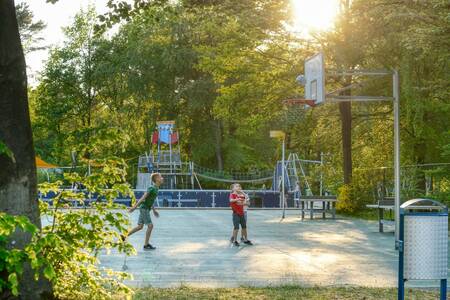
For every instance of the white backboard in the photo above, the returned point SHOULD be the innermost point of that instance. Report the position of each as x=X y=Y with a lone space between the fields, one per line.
x=315 y=78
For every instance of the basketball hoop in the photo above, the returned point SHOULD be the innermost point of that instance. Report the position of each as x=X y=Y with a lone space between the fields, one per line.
x=294 y=110
x=296 y=101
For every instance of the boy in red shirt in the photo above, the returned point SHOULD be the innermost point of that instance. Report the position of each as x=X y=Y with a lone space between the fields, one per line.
x=237 y=201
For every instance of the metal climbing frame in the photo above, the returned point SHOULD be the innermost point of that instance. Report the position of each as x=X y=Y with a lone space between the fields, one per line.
x=295 y=172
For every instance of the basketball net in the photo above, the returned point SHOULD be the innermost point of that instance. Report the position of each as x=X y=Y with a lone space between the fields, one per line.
x=295 y=110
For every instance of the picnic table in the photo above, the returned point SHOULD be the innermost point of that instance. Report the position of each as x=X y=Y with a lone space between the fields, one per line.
x=386 y=203
x=327 y=204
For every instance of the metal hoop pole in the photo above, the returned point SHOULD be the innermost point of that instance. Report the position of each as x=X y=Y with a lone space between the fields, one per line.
x=396 y=153
x=282 y=177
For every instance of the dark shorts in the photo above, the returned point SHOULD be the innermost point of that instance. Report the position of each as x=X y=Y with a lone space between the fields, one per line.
x=237 y=219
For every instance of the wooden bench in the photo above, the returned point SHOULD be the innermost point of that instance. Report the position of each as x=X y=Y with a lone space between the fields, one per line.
x=387 y=203
x=328 y=206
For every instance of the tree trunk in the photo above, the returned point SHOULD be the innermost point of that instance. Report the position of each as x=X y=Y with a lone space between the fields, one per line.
x=218 y=144
x=18 y=195
x=345 y=109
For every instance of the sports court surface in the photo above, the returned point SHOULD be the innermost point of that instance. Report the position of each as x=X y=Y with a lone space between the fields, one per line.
x=193 y=248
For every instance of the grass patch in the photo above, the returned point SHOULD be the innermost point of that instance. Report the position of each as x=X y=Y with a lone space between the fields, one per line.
x=282 y=293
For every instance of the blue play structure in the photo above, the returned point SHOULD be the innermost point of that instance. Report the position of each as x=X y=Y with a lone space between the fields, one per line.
x=276 y=181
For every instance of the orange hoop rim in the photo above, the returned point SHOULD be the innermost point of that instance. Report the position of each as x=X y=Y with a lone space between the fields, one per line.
x=297 y=101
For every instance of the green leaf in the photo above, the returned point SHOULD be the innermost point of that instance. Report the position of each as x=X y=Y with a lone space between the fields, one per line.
x=30 y=228
x=12 y=279
x=49 y=272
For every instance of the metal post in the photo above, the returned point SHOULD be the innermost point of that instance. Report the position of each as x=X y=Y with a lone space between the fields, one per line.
x=399 y=244
x=321 y=174
x=170 y=151
x=443 y=289
x=191 y=169
x=396 y=152
x=283 y=200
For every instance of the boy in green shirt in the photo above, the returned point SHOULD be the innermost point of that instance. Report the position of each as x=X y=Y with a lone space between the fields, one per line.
x=145 y=204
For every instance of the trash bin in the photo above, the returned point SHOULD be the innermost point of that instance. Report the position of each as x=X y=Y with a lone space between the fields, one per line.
x=423 y=243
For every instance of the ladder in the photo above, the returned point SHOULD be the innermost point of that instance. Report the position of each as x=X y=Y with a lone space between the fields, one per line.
x=291 y=171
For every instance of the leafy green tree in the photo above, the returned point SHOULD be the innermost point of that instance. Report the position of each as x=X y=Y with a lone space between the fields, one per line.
x=69 y=109
x=240 y=54
x=29 y=29
x=411 y=36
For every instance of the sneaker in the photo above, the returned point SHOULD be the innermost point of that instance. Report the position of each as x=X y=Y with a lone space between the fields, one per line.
x=247 y=242
x=236 y=243
x=242 y=239
x=231 y=240
x=149 y=247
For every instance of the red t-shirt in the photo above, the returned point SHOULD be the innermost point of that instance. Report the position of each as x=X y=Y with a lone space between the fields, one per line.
x=237 y=208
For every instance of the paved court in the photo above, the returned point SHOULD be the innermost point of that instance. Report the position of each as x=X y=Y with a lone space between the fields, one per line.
x=193 y=248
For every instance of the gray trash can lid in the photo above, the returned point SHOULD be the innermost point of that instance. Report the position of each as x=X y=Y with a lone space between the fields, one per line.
x=422 y=203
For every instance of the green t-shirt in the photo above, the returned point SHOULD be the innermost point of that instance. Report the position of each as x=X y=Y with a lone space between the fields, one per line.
x=152 y=193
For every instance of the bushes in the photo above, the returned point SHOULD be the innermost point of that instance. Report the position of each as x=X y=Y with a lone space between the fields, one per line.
x=346 y=199
x=353 y=197
x=12 y=259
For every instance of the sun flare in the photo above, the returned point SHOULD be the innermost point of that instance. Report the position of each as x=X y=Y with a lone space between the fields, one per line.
x=314 y=14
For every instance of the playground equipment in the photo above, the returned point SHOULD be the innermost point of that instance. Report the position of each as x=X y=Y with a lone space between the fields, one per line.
x=296 y=172
x=165 y=157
